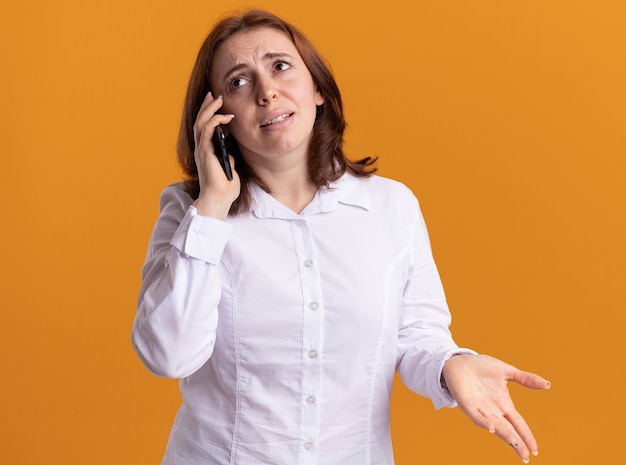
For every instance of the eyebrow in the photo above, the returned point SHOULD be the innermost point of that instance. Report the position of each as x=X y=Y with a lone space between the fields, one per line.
x=267 y=57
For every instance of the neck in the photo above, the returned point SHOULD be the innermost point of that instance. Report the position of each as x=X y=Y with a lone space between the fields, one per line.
x=289 y=183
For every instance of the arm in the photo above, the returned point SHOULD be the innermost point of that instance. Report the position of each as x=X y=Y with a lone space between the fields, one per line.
x=174 y=328
x=424 y=339
x=427 y=356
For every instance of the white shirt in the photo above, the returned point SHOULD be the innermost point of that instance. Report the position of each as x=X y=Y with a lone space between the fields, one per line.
x=286 y=328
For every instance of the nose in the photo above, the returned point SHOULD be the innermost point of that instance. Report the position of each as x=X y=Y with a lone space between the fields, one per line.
x=266 y=91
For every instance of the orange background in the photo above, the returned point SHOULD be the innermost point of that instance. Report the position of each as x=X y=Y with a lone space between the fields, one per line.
x=506 y=118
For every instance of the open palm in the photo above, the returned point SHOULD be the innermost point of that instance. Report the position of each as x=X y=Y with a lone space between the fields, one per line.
x=479 y=385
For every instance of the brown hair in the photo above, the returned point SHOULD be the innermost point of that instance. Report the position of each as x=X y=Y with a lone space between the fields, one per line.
x=327 y=162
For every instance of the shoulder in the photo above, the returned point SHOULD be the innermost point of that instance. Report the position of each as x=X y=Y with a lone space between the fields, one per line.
x=386 y=201
x=391 y=186
x=175 y=196
x=386 y=192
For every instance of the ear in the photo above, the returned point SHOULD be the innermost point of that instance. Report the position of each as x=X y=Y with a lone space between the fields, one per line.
x=319 y=99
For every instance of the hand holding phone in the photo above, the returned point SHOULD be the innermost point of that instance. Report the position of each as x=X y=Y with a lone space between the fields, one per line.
x=219 y=145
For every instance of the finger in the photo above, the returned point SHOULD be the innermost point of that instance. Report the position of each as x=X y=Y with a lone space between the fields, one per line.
x=479 y=418
x=209 y=166
x=209 y=107
x=512 y=429
x=505 y=431
x=523 y=430
x=208 y=100
x=502 y=426
x=204 y=141
x=529 y=380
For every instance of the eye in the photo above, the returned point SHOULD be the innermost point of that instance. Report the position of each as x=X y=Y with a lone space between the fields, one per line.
x=282 y=66
x=237 y=82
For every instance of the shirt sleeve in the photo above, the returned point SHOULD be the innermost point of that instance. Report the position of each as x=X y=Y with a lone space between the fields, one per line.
x=424 y=339
x=175 y=325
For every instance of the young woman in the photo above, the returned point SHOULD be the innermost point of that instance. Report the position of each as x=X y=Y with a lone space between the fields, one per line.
x=286 y=298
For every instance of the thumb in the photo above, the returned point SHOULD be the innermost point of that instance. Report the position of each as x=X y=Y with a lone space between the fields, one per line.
x=530 y=380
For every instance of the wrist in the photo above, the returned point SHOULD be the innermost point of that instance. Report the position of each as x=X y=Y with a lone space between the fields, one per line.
x=212 y=206
x=446 y=365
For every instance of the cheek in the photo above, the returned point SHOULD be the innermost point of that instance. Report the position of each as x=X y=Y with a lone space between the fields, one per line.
x=238 y=122
x=229 y=107
x=234 y=130
x=242 y=129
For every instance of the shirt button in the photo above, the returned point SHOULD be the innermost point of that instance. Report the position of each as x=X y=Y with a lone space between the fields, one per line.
x=312 y=353
x=310 y=400
x=308 y=263
x=313 y=305
x=299 y=223
x=308 y=445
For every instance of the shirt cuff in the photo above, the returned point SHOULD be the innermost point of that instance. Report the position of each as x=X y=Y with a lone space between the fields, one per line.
x=202 y=237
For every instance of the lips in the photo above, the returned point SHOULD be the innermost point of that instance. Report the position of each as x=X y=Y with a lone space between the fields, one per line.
x=277 y=119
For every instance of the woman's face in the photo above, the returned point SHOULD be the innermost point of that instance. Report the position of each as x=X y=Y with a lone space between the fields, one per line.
x=269 y=89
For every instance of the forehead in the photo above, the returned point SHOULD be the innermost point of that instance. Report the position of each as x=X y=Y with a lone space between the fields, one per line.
x=252 y=45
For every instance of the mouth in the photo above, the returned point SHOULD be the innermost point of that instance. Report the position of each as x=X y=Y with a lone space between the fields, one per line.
x=278 y=119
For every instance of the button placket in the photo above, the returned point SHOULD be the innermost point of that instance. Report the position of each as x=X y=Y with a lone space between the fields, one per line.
x=312 y=340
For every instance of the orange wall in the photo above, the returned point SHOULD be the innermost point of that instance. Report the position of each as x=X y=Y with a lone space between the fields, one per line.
x=507 y=119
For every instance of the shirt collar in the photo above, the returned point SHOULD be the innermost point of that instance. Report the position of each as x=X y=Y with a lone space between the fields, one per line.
x=347 y=190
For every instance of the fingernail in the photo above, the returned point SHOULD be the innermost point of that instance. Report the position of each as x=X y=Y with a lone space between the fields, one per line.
x=525 y=460
x=218 y=97
x=492 y=430
x=549 y=385
x=535 y=453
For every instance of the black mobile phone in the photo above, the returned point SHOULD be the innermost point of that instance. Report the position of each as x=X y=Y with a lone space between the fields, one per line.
x=219 y=145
